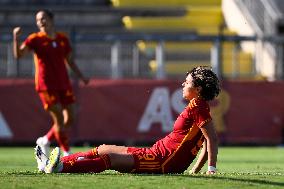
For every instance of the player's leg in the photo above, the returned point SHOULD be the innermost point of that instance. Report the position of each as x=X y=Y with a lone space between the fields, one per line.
x=93 y=153
x=90 y=154
x=110 y=157
x=63 y=165
x=43 y=160
x=120 y=159
x=47 y=98
x=51 y=101
x=68 y=115
x=96 y=165
x=59 y=130
x=67 y=100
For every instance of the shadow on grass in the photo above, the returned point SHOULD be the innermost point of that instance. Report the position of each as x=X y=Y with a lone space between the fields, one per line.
x=112 y=173
x=223 y=177
x=246 y=180
x=220 y=177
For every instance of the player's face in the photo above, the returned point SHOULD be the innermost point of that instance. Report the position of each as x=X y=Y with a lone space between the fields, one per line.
x=189 y=91
x=43 y=22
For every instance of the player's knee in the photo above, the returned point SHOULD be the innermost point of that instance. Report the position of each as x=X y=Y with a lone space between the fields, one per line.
x=68 y=117
x=68 y=122
x=106 y=149
x=103 y=149
x=56 y=114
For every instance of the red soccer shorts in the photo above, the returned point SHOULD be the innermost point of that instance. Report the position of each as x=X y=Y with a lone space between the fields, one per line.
x=63 y=97
x=147 y=161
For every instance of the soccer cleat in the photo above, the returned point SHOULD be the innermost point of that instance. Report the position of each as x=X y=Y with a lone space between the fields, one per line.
x=41 y=158
x=44 y=144
x=54 y=160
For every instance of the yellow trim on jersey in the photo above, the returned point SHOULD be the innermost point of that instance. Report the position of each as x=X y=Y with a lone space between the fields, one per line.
x=144 y=165
x=192 y=103
x=204 y=122
x=32 y=36
x=36 y=71
x=192 y=133
x=149 y=163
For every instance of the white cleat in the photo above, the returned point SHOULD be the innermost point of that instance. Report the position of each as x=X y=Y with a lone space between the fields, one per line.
x=54 y=160
x=41 y=158
x=44 y=144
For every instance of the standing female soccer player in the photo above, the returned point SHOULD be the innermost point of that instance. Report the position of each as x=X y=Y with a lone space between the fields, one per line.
x=51 y=52
x=172 y=154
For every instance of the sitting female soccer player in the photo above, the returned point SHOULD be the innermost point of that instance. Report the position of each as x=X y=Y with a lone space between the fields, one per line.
x=172 y=154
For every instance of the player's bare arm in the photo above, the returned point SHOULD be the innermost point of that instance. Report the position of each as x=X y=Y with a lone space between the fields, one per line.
x=202 y=158
x=18 y=50
x=212 y=146
x=75 y=69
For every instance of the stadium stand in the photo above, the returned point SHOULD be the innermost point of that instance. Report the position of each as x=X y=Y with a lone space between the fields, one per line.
x=201 y=17
x=243 y=63
x=265 y=20
x=87 y=16
x=79 y=17
x=129 y=16
x=163 y=3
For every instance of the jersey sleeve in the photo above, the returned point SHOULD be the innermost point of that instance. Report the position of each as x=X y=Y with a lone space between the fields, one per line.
x=30 y=41
x=202 y=116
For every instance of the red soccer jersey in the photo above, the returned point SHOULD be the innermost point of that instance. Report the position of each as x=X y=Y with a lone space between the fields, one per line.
x=50 y=59
x=180 y=147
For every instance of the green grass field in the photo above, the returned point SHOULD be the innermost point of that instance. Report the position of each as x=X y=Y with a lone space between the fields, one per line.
x=248 y=167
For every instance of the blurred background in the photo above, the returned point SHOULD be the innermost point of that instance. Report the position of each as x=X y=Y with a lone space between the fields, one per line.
x=136 y=53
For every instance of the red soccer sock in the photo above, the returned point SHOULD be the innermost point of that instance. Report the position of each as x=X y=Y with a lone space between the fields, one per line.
x=96 y=165
x=50 y=134
x=62 y=140
x=91 y=154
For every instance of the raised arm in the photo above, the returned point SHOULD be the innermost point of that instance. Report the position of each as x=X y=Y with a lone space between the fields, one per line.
x=75 y=68
x=18 y=50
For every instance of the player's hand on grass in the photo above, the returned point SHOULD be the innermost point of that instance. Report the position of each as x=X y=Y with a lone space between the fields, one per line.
x=211 y=170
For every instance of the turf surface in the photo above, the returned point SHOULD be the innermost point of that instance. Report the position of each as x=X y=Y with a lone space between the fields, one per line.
x=238 y=167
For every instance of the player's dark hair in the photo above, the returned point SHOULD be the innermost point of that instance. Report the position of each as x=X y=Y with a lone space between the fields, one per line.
x=48 y=13
x=204 y=77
